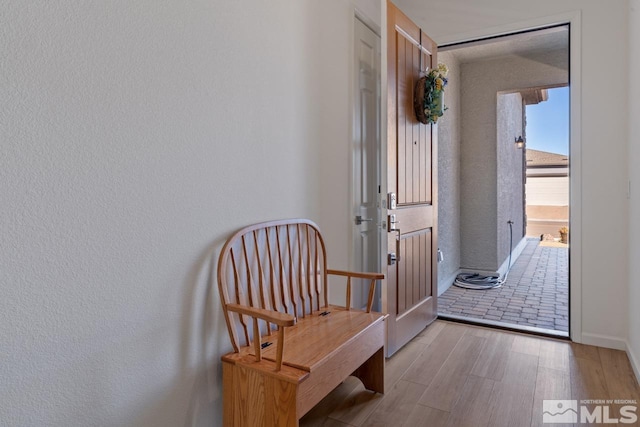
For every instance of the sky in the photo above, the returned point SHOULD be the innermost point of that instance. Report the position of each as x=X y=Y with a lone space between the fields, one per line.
x=548 y=123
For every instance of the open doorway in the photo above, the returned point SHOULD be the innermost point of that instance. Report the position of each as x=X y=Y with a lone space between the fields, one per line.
x=485 y=218
x=547 y=167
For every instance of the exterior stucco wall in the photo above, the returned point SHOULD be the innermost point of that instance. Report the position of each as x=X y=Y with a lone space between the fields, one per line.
x=481 y=82
x=449 y=176
x=510 y=171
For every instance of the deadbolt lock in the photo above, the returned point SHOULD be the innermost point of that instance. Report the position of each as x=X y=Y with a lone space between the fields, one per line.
x=391 y=258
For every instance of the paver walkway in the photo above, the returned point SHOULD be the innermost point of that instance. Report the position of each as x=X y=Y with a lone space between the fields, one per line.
x=535 y=294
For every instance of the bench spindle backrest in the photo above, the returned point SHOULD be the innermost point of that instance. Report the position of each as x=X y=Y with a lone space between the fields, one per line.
x=277 y=265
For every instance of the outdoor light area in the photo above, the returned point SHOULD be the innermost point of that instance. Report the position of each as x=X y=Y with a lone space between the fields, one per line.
x=504 y=196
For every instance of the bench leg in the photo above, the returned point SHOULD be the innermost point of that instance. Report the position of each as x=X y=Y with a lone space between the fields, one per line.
x=252 y=398
x=371 y=372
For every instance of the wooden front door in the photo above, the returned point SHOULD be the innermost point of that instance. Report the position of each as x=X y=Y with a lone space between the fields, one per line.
x=412 y=180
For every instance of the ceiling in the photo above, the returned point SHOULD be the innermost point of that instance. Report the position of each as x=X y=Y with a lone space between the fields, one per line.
x=523 y=44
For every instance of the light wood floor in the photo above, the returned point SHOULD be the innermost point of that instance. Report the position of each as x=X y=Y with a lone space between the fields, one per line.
x=458 y=375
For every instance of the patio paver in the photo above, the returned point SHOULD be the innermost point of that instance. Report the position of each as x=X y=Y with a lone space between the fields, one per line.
x=536 y=293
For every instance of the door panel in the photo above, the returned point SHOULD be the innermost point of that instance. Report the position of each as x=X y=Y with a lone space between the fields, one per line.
x=414 y=247
x=411 y=175
x=414 y=138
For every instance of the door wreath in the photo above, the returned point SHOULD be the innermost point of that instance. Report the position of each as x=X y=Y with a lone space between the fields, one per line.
x=428 y=95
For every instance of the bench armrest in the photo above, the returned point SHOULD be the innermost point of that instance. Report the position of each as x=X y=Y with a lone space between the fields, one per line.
x=280 y=319
x=275 y=317
x=357 y=275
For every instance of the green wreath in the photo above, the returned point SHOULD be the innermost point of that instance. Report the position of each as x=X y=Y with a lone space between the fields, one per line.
x=428 y=95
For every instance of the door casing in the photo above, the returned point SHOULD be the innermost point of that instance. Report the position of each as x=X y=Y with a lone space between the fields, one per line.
x=574 y=20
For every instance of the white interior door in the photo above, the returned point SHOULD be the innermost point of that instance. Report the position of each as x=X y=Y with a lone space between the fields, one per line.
x=366 y=156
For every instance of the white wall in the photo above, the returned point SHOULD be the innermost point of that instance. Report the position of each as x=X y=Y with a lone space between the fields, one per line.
x=136 y=136
x=634 y=174
x=604 y=273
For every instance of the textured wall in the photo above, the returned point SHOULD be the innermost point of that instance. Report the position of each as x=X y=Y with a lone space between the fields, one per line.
x=510 y=185
x=603 y=28
x=449 y=176
x=481 y=82
x=634 y=176
x=136 y=136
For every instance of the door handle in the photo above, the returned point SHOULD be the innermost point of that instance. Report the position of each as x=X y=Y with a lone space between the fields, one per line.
x=394 y=257
x=360 y=220
x=392 y=223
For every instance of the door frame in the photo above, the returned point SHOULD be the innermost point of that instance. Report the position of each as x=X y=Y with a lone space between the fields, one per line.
x=573 y=19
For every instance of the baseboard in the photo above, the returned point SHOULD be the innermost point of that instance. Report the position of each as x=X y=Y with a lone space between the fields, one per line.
x=633 y=360
x=515 y=253
x=606 y=341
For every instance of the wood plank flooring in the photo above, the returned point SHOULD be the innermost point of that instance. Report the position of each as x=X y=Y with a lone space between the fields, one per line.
x=454 y=375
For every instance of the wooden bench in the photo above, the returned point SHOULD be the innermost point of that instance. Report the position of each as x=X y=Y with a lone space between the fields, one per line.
x=291 y=348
